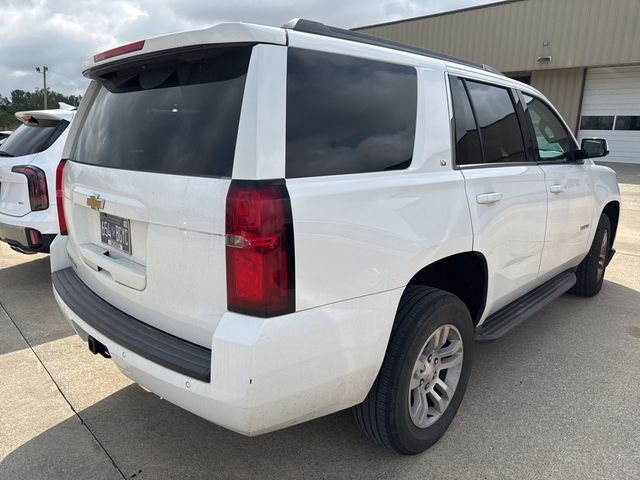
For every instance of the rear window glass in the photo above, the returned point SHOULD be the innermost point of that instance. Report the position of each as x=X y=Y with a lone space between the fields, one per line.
x=178 y=114
x=468 y=149
x=348 y=115
x=500 y=132
x=29 y=139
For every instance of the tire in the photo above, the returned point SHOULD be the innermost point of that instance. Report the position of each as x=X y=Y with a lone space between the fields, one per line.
x=389 y=413
x=590 y=272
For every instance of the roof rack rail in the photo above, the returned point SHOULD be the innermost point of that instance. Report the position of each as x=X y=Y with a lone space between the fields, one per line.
x=317 y=28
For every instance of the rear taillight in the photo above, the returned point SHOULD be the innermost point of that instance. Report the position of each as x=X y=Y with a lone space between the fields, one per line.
x=259 y=248
x=60 y=198
x=37 y=185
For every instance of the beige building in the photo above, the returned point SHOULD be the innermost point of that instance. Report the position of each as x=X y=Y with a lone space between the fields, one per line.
x=584 y=55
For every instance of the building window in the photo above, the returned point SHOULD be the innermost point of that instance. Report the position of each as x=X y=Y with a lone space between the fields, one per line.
x=596 y=122
x=522 y=77
x=628 y=122
x=348 y=115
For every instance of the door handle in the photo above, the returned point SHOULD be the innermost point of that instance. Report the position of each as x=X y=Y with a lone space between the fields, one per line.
x=557 y=188
x=122 y=270
x=485 y=198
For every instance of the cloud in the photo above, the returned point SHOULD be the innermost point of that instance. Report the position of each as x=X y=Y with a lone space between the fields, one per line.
x=63 y=33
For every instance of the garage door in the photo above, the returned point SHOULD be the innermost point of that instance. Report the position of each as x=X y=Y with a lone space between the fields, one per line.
x=611 y=110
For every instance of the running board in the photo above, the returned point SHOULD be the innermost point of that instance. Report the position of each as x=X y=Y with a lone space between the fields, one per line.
x=524 y=307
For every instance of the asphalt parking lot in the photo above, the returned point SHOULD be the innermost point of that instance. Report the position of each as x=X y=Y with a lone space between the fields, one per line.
x=558 y=398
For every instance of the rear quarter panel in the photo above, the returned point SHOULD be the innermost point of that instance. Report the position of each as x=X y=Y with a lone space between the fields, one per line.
x=361 y=234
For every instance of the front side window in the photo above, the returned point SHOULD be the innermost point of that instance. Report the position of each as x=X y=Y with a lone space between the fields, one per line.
x=348 y=115
x=500 y=132
x=553 y=139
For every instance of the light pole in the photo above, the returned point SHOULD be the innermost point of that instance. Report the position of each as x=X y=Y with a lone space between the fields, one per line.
x=43 y=71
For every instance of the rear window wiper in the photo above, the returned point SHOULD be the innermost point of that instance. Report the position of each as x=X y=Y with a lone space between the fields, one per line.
x=5 y=154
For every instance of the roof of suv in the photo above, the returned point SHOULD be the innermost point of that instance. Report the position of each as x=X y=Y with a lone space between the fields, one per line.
x=245 y=32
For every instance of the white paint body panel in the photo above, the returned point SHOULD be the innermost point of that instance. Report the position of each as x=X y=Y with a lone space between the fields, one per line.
x=261 y=367
x=359 y=239
x=614 y=91
x=509 y=232
x=178 y=249
x=570 y=210
x=15 y=209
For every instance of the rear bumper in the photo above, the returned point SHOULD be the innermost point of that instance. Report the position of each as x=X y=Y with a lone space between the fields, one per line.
x=13 y=230
x=267 y=374
x=17 y=237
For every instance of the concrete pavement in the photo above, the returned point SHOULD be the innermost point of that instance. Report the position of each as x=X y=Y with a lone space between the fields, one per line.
x=557 y=397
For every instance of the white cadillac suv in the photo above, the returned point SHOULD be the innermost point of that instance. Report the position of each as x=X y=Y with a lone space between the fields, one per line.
x=266 y=225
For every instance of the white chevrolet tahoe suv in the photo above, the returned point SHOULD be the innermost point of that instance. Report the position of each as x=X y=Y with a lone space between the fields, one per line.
x=29 y=158
x=266 y=225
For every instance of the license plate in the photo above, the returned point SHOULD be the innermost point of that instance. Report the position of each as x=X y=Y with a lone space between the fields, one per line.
x=115 y=232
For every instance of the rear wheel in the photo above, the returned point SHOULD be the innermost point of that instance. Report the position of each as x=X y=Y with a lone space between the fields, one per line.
x=424 y=374
x=590 y=272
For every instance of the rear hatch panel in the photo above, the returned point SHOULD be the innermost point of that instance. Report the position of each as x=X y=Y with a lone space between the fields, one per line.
x=174 y=278
x=155 y=149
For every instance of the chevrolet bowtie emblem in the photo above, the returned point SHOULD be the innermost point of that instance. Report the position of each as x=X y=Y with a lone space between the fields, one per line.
x=95 y=202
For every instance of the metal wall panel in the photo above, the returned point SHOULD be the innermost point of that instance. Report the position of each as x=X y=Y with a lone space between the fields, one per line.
x=564 y=89
x=510 y=36
x=614 y=91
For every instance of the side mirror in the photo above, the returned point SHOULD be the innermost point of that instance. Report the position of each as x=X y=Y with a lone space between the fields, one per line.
x=594 y=147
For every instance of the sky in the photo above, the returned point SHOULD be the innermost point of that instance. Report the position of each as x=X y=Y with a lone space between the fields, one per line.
x=63 y=33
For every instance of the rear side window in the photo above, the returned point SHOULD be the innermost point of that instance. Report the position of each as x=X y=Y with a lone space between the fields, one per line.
x=468 y=149
x=348 y=115
x=500 y=132
x=32 y=138
x=176 y=114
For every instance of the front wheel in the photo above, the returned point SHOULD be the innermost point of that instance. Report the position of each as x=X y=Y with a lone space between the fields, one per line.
x=424 y=374
x=590 y=272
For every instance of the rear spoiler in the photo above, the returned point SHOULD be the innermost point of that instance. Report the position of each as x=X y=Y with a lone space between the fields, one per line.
x=66 y=112
x=217 y=34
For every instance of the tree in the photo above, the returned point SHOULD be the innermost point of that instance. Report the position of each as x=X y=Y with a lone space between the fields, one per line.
x=21 y=100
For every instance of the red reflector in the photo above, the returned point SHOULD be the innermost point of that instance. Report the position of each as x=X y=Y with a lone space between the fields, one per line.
x=35 y=238
x=121 y=50
x=60 y=197
x=37 y=186
x=259 y=248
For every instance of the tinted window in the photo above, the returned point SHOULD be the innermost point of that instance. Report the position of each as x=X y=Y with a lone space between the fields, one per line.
x=498 y=122
x=29 y=139
x=468 y=149
x=348 y=115
x=628 y=122
x=554 y=142
x=175 y=114
x=596 y=122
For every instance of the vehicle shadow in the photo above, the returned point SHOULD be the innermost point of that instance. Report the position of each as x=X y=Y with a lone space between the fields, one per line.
x=530 y=412
x=27 y=296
